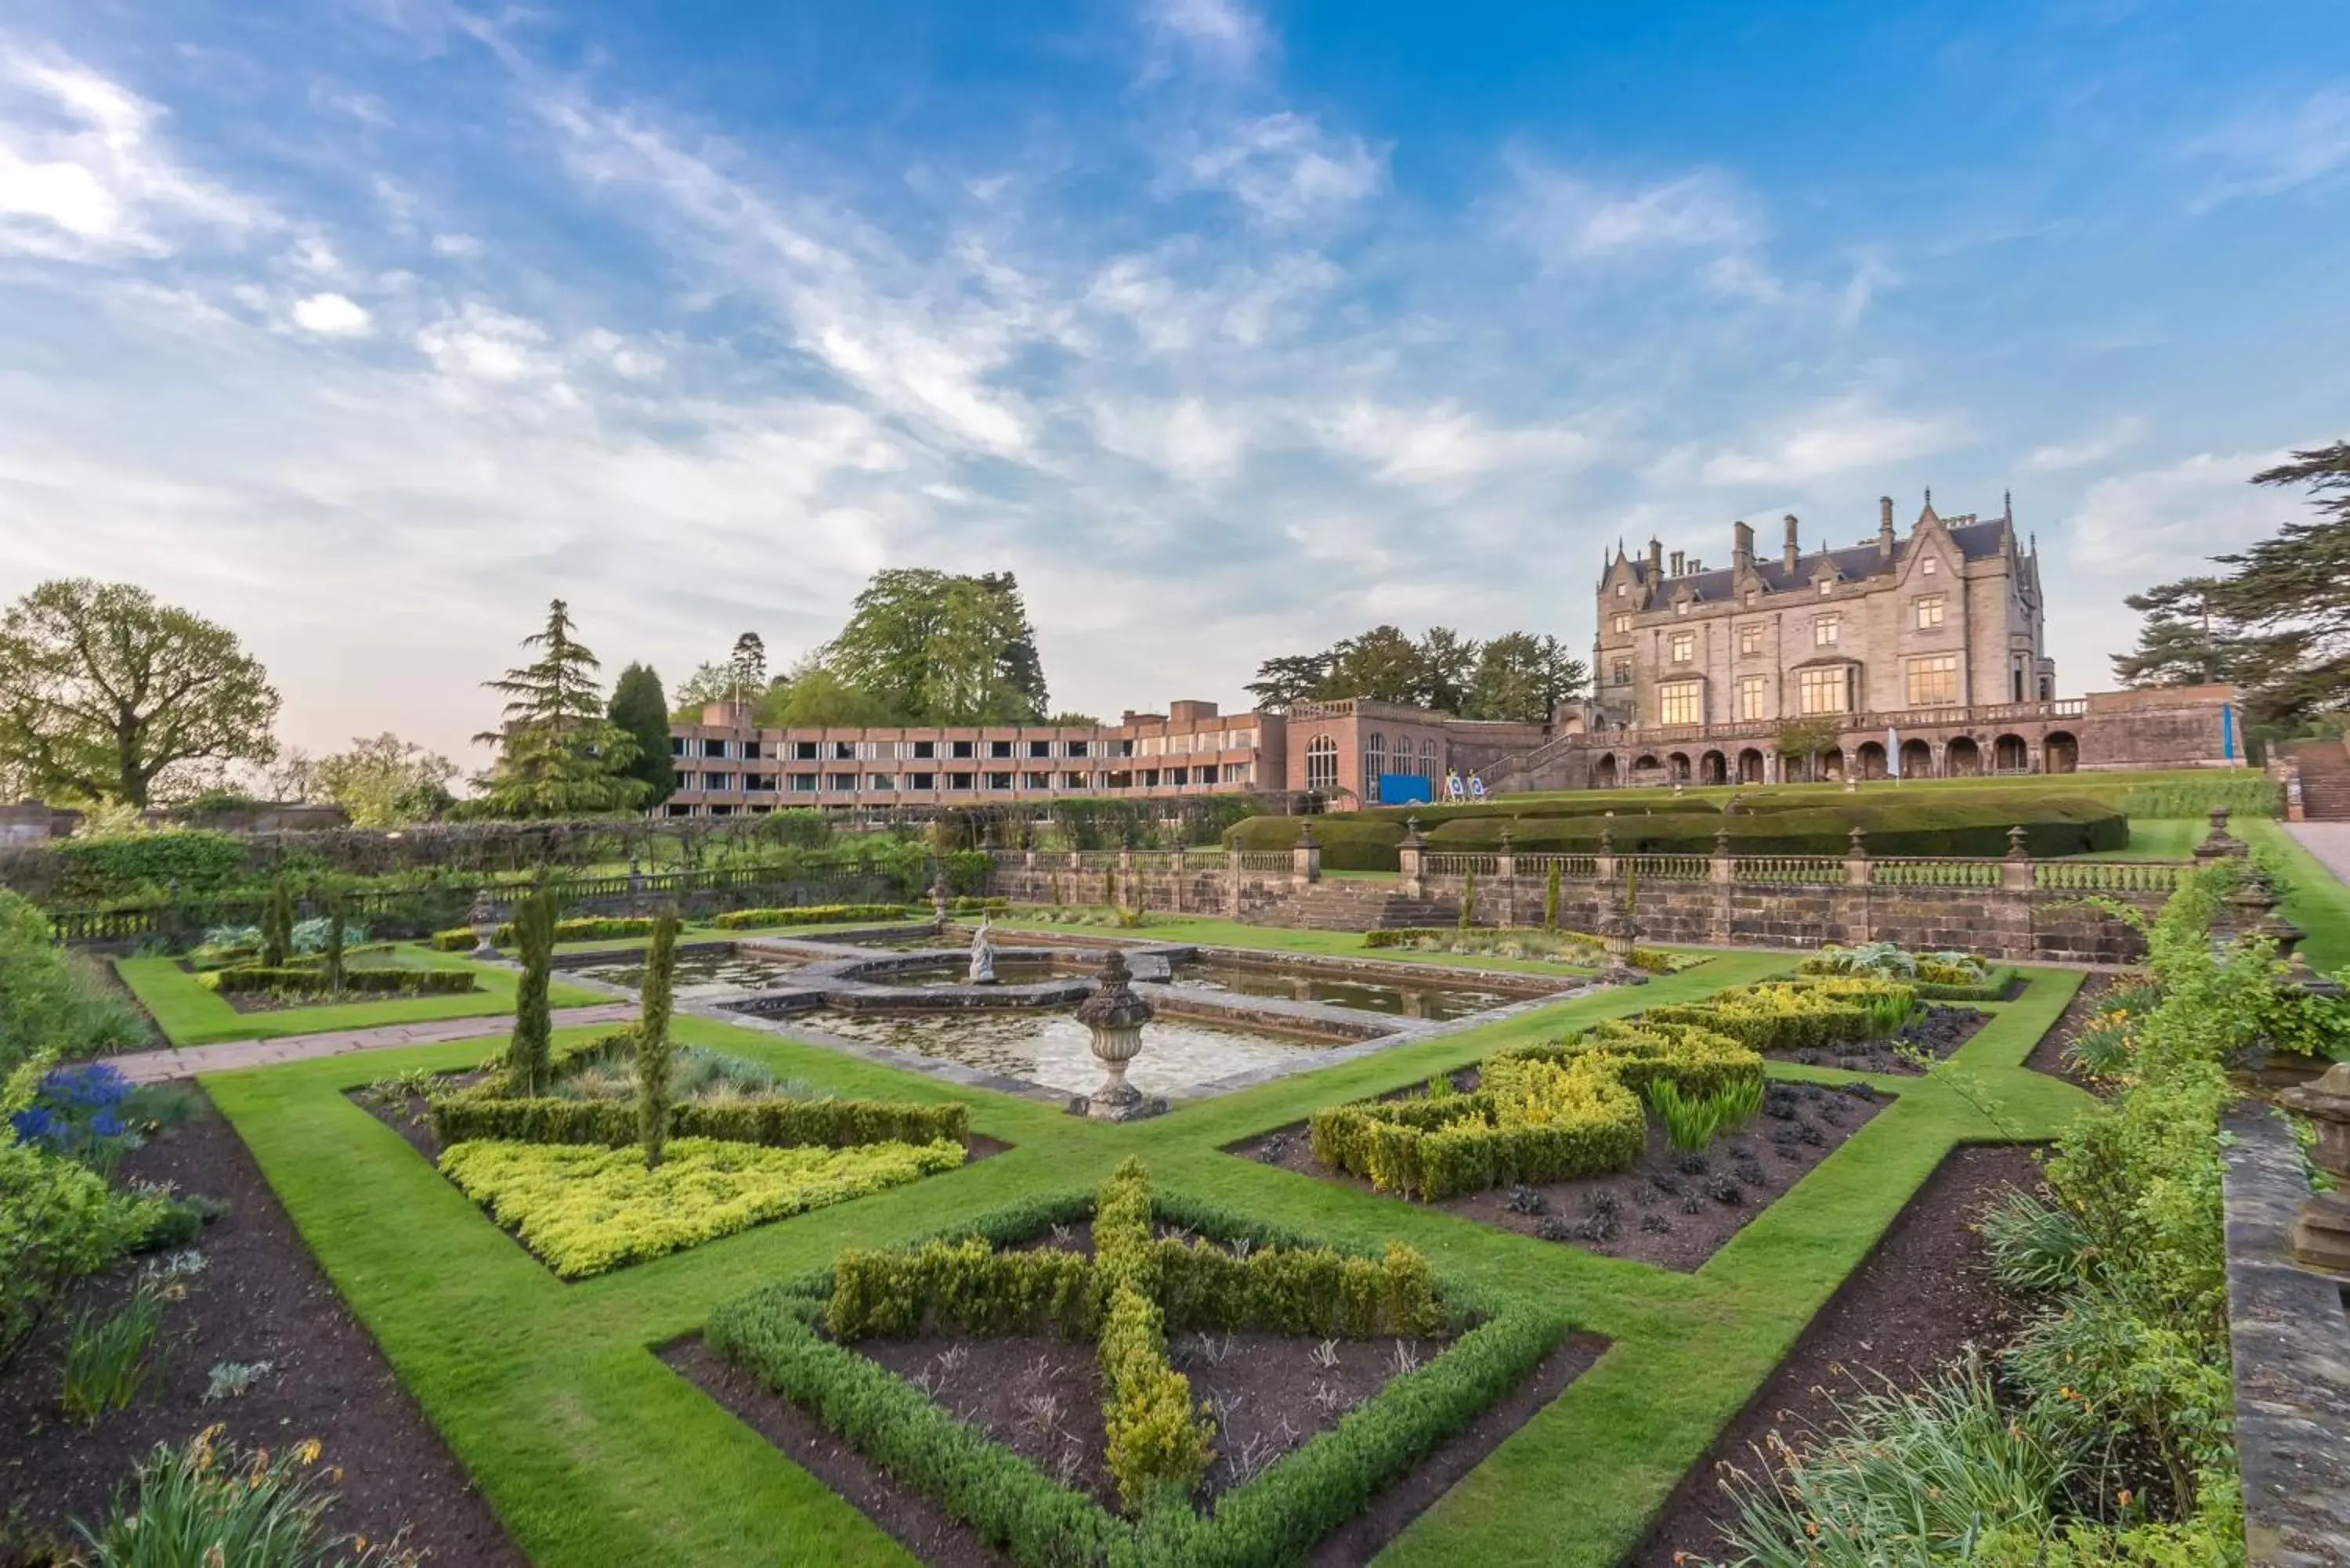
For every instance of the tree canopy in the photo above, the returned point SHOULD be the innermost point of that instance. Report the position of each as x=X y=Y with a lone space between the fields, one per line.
x=1519 y=676
x=385 y=781
x=2277 y=623
x=558 y=753
x=104 y=692
x=638 y=707
x=936 y=648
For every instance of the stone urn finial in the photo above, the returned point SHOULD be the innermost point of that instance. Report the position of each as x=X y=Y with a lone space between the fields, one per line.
x=1857 y=845
x=2220 y=844
x=2017 y=849
x=483 y=919
x=2321 y=1232
x=1411 y=836
x=1115 y=1015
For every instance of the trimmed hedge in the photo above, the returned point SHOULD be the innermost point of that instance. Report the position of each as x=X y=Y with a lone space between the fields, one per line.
x=289 y=981
x=1798 y=1015
x=1970 y=822
x=1274 y=1518
x=485 y=1111
x=583 y=929
x=1473 y=940
x=809 y=914
x=1540 y=1113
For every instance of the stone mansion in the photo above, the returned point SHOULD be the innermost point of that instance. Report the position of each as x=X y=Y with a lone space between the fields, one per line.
x=1949 y=615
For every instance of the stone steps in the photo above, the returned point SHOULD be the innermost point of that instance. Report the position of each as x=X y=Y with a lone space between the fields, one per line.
x=1342 y=905
x=2324 y=780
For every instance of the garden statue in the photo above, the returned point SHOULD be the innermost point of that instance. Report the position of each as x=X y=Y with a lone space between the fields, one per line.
x=983 y=954
x=941 y=910
x=2321 y=1232
x=1115 y=1015
x=483 y=918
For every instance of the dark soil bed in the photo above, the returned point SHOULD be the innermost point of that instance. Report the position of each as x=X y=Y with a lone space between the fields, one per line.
x=1919 y=1302
x=1041 y=1395
x=2048 y=1056
x=1939 y=1032
x=260 y=1296
x=1670 y=1209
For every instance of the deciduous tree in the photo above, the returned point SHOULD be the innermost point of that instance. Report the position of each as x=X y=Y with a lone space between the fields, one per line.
x=104 y=691
x=942 y=649
x=385 y=781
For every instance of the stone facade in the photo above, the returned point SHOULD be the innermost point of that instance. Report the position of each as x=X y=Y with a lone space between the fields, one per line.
x=1951 y=616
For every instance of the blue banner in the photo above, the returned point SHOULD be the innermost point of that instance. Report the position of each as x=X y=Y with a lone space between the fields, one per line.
x=1404 y=789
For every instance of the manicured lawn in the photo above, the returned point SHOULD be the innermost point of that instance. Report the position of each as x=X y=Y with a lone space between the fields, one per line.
x=2314 y=900
x=189 y=1015
x=2159 y=838
x=595 y=1453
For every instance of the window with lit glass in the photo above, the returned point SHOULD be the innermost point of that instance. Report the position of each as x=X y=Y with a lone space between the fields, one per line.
x=1684 y=647
x=1825 y=690
x=1322 y=764
x=1620 y=625
x=1750 y=640
x=1828 y=632
x=1929 y=612
x=1679 y=703
x=1754 y=696
x=1934 y=683
x=1929 y=566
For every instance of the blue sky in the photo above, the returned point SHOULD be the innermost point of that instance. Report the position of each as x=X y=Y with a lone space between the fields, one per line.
x=367 y=328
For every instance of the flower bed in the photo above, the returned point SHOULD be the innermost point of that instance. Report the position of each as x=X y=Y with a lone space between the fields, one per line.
x=587 y=1209
x=1138 y=1286
x=313 y=983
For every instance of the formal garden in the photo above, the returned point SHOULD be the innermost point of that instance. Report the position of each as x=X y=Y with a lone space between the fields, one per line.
x=1854 y=1254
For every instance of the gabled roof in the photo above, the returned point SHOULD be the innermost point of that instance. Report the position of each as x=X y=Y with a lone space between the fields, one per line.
x=1974 y=541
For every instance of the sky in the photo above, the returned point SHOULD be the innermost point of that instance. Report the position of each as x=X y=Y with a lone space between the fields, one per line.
x=367 y=327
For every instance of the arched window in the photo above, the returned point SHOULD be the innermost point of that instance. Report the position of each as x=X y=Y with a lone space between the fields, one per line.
x=1322 y=765
x=1428 y=759
x=1375 y=762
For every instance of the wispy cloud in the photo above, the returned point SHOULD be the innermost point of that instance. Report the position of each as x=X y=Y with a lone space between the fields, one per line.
x=2095 y=447
x=1564 y=217
x=2276 y=147
x=1837 y=437
x=1286 y=169
x=1227 y=35
x=84 y=173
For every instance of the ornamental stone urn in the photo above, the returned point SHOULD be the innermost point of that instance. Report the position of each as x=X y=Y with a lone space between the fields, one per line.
x=483 y=918
x=2321 y=1232
x=1619 y=933
x=1116 y=1016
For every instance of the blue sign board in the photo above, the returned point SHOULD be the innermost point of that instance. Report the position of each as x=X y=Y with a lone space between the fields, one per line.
x=1404 y=789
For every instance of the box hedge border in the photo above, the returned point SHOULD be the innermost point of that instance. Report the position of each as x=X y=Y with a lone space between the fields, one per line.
x=1275 y=1518
x=482 y=1112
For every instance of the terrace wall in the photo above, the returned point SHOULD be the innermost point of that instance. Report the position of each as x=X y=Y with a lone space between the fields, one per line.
x=2015 y=908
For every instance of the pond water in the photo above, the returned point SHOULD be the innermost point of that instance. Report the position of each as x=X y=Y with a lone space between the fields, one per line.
x=1054 y=1050
x=702 y=975
x=1435 y=1001
x=1008 y=971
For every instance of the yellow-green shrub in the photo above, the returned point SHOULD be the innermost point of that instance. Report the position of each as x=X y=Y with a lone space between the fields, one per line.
x=579 y=929
x=964 y=1285
x=807 y=915
x=1798 y=1015
x=1540 y=1113
x=587 y=1209
x=487 y=1111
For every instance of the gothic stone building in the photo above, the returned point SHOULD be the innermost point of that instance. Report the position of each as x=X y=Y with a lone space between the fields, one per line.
x=1925 y=652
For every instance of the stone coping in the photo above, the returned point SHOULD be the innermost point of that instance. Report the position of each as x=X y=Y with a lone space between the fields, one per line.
x=2289 y=1338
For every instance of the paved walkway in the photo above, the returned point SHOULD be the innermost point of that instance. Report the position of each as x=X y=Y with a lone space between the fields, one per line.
x=2329 y=841
x=157 y=1066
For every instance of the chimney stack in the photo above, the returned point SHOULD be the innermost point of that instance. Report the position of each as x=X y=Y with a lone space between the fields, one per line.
x=1656 y=559
x=1679 y=561
x=1793 y=550
x=1741 y=546
x=1884 y=528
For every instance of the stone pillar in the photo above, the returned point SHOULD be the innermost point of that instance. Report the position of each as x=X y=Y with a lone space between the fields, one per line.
x=1175 y=867
x=1306 y=857
x=2321 y=1230
x=1724 y=869
x=1028 y=859
x=2015 y=869
x=1604 y=859
x=1855 y=860
x=1410 y=855
x=1232 y=884
x=1505 y=872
